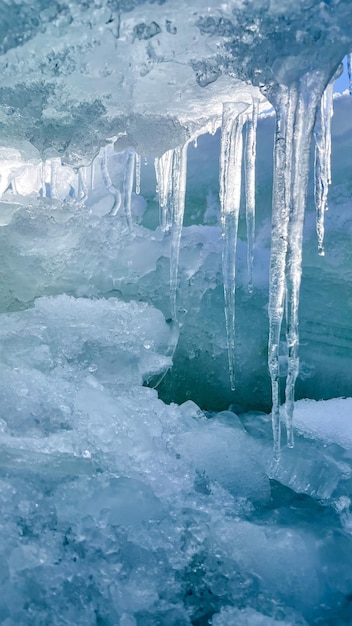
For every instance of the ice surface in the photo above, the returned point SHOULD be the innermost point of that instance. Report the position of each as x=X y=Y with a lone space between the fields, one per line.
x=64 y=92
x=124 y=360
x=115 y=507
x=222 y=453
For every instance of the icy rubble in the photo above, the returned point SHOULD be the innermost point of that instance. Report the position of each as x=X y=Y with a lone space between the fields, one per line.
x=118 y=507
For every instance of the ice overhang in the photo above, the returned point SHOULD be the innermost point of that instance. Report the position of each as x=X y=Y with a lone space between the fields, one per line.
x=74 y=74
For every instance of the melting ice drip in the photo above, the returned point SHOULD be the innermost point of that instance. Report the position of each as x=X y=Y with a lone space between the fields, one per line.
x=171 y=176
x=296 y=108
x=231 y=156
x=301 y=108
x=303 y=111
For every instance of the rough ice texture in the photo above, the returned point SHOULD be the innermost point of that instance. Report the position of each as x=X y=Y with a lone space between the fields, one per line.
x=116 y=508
x=149 y=73
x=76 y=74
x=329 y=421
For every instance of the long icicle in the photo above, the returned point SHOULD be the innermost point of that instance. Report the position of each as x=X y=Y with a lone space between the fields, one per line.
x=92 y=175
x=128 y=187
x=179 y=178
x=284 y=99
x=311 y=88
x=231 y=153
x=163 y=174
x=322 y=161
x=296 y=108
x=250 y=158
x=138 y=174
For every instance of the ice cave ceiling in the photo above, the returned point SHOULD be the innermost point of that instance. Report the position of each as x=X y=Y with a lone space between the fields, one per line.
x=150 y=73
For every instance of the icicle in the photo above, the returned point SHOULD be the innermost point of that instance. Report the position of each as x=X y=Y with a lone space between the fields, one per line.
x=159 y=187
x=213 y=126
x=310 y=93
x=230 y=197
x=322 y=162
x=349 y=71
x=250 y=158
x=53 y=178
x=14 y=186
x=295 y=114
x=92 y=174
x=82 y=184
x=179 y=177
x=171 y=175
x=108 y=182
x=128 y=187
x=138 y=174
x=43 y=179
x=163 y=174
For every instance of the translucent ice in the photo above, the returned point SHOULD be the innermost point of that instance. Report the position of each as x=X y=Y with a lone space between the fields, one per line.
x=230 y=198
x=117 y=508
x=223 y=454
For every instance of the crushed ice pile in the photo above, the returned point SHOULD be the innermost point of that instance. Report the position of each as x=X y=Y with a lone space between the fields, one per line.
x=119 y=509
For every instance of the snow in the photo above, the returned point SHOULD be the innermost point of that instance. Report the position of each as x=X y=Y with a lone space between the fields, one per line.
x=329 y=420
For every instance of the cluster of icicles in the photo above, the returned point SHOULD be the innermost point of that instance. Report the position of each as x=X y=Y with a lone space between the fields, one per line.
x=303 y=111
